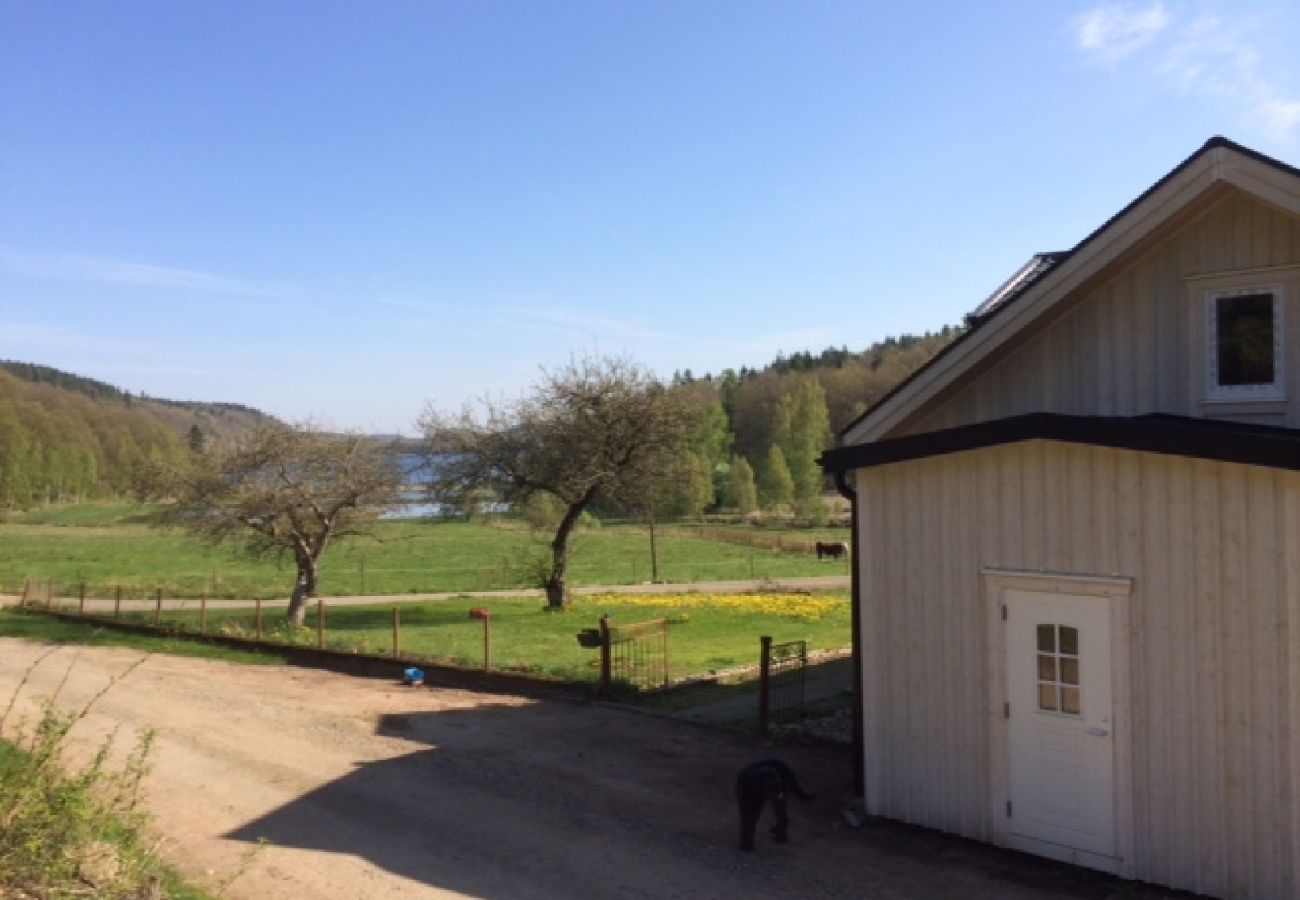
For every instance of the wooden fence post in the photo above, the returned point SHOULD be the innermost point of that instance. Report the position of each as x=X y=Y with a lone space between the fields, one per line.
x=320 y=623
x=203 y=612
x=764 y=676
x=606 y=664
x=117 y=602
x=258 y=603
x=157 y=608
x=27 y=587
x=49 y=594
x=397 y=632
x=81 y=600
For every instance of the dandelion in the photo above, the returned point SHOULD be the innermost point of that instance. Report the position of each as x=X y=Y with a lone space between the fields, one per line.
x=803 y=607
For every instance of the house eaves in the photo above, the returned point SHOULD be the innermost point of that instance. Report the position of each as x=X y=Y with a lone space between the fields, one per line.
x=1258 y=445
x=1219 y=162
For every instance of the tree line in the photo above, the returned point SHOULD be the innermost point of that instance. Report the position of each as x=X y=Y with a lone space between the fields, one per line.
x=771 y=424
x=58 y=445
x=754 y=433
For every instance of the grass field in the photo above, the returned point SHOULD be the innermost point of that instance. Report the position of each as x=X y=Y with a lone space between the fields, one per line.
x=111 y=545
x=707 y=632
x=108 y=546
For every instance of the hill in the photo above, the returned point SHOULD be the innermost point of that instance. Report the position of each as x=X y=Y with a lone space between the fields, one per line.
x=59 y=444
x=216 y=421
x=67 y=437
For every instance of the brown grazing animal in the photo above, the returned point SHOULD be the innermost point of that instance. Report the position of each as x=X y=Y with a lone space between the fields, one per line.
x=833 y=549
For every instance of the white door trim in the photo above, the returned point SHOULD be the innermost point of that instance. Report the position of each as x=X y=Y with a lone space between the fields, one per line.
x=1111 y=589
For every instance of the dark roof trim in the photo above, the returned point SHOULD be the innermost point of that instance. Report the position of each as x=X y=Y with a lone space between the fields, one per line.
x=976 y=322
x=1256 y=445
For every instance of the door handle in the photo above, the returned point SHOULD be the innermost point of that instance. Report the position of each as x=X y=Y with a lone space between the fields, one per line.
x=1094 y=731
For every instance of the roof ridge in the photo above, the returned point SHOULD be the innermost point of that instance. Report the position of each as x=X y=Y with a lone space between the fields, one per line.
x=986 y=311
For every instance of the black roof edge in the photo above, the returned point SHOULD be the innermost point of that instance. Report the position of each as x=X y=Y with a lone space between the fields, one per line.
x=1257 y=445
x=1216 y=142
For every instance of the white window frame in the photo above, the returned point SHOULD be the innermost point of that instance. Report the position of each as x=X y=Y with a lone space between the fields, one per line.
x=1236 y=393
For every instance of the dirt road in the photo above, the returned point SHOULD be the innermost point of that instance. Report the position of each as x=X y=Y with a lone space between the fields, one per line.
x=367 y=789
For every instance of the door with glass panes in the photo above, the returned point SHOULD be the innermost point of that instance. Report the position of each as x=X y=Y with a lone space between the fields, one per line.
x=1060 y=714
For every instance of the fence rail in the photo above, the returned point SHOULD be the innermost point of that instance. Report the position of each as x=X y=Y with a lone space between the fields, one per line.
x=158 y=611
x=633 y=656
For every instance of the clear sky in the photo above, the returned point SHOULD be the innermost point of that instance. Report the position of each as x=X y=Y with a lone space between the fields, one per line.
x=344 y=210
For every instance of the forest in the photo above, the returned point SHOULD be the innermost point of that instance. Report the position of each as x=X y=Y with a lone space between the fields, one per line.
x=58 y=444
x=759 y=431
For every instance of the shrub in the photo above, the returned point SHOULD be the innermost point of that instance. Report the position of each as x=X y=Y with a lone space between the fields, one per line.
x=76 y=832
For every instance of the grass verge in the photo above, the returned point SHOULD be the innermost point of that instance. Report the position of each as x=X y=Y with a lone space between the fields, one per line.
x=46 y=629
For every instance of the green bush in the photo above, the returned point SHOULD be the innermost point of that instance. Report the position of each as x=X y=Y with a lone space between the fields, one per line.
x=78 y=832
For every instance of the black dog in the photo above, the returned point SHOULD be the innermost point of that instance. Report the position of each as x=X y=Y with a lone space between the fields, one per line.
x=758 y=782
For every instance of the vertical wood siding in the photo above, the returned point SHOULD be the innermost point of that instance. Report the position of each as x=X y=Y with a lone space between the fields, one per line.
x=1133 y=345
x=1212 y=551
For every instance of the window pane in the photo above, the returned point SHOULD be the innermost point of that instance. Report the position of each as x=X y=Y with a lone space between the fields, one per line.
x=1245 y=339
x=1069 y=671
x=1047 y=697
x=1046 y=638
x=1070 y=700
x=1046 y=668
x=1069 y=640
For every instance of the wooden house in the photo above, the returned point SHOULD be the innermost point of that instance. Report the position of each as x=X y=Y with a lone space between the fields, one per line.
x=1077 y=549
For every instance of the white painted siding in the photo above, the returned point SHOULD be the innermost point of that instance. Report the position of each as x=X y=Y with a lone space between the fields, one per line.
x=1214 y=553
x=1134 y=343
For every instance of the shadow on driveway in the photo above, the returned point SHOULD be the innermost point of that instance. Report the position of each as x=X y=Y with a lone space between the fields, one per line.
x=557 y=799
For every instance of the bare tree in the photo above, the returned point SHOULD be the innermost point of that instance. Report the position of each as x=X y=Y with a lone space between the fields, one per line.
x=599 y=427
x=282 y=491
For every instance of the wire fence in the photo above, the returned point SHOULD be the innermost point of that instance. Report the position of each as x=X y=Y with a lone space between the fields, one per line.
x=369 y=580
x=257 y=621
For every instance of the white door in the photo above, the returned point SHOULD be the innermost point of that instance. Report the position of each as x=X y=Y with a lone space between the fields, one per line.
x=1061 y=765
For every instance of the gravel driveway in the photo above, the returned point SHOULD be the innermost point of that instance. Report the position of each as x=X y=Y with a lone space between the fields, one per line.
x=367 y=789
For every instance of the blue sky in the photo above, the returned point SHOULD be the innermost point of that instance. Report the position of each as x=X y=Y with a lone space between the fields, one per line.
x=348 y=210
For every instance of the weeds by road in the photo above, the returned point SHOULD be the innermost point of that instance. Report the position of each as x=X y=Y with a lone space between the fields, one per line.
x=78 y=832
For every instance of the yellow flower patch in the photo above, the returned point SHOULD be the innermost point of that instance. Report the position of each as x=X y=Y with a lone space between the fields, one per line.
x=793 y=606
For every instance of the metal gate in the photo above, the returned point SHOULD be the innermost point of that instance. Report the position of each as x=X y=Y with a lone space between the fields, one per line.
x=634 y=655
x=781 y=671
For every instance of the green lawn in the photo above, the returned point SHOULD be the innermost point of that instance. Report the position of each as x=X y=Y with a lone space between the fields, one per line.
x=109 y=546
x=707 y=632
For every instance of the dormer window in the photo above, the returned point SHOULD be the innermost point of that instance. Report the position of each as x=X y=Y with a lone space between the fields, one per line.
x=1244 y=332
